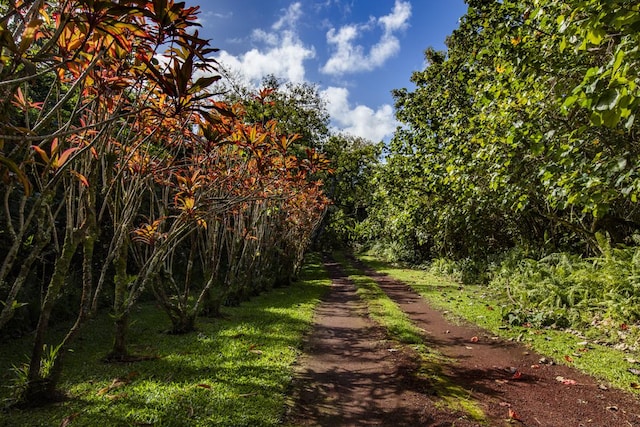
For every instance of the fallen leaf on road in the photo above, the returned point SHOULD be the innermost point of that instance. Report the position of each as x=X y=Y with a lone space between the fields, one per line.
x=474 y=339
x=566 y=381
x=535 y=366
x=514 y=415
x=468 y=348
x=545 y=361
x=612 y=408
x=517 y=375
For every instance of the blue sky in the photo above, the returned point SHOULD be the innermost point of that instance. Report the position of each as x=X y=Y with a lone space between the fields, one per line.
x=356 y=51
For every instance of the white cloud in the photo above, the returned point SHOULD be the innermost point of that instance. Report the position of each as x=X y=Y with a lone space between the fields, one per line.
x=374 y=125
x=284 y=57
x=397 y=20
x=349 y=57
x=282 y=54
x=289 y=17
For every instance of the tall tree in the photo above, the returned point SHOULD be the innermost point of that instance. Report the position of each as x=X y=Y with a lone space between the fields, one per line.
x=523 y=132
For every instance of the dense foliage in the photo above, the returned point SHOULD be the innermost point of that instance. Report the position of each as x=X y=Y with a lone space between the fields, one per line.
x=120 y=175
x=517 y=163
x=522 y=134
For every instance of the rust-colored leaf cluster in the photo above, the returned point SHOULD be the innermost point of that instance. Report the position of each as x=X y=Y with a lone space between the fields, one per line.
x=109 y=134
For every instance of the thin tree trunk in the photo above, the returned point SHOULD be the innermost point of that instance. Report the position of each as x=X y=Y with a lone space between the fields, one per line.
x=43 y=237
x=87 y=289
x=39 y=387
x=121 y=281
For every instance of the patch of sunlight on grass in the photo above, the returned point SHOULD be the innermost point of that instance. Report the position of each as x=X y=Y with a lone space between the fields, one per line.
x=233 y=371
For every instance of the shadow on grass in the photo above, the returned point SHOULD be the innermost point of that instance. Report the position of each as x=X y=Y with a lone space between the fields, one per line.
x=232 y=371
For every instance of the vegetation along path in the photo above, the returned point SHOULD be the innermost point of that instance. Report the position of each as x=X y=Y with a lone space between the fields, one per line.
x=354 y=373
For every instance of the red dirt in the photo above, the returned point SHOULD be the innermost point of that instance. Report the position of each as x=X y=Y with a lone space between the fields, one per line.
x=348 y=376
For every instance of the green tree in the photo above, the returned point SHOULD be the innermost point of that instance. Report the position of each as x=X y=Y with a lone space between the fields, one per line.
x=354 y=161
x=522 y=133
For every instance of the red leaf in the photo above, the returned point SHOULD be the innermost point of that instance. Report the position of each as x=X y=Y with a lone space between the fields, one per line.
x=83 y=179
x=514 y=415
x=568 y=359
x=19 y=101
x=624 y=326
x=43 y=154
x=474 y=339
x=566 y=381
x=517 y=375
x=207 y=386
x=64 y=156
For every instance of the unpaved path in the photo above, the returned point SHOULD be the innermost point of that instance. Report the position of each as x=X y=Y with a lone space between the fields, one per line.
x=348 y=376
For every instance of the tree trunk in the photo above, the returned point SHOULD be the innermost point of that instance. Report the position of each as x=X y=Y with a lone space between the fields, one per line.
x=43 y=237
x=87 y=289
x=212 y=300
x=40 y=387
x=121 y=281
x=119 y=350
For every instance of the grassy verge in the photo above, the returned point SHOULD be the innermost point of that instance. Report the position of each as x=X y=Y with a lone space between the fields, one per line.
x=232 y=372
x=476 y=305
x=399 y=327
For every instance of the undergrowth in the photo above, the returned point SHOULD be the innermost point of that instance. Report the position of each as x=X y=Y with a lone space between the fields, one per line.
x=599 y=297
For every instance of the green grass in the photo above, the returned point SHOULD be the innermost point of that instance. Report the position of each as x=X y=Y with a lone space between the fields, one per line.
x=475 y=304
x=400 y=328
x=231 y=372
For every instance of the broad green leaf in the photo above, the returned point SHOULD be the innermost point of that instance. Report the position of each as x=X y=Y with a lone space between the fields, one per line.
x=607 y=100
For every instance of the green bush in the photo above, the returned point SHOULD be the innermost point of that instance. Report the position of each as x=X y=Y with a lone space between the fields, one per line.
x=566 y=290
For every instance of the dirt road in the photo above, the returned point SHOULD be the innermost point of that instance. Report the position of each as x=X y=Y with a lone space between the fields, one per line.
x=352 y=375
